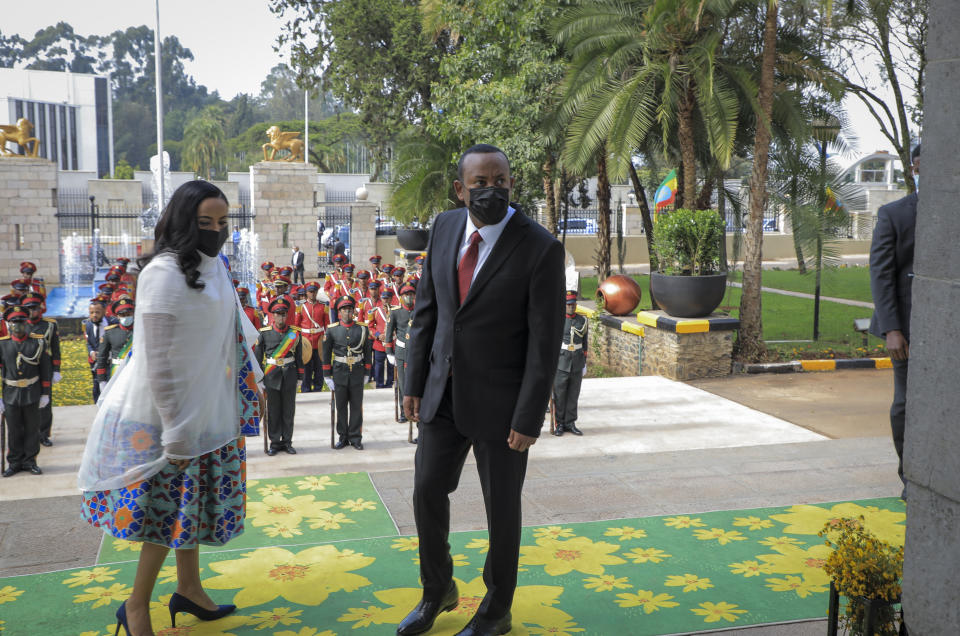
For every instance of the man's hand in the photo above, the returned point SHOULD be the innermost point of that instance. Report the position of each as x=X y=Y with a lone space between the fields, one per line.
x=897 y=345
x=411 y=407
x=520 y=442
x=181 y=464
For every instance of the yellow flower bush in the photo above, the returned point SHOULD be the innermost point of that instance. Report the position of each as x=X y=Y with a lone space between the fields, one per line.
x=562 y=557
x=646 y=599
x=862 y=567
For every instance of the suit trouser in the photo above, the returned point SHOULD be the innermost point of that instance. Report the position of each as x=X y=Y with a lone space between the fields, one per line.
x=281 y=407
x=441 y=452
x=23 y=433
x=96 y=385
x=566 y=394
x=382 y=369
x=349 y=422
x=297 y=273
x=312 y=374
x=898 y=409
x=46 y=420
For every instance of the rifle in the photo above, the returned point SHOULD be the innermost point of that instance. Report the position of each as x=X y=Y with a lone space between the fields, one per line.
x=553 y=415
x=333 y=417
x=3 y=442
x=264 y=423
x=396 y=395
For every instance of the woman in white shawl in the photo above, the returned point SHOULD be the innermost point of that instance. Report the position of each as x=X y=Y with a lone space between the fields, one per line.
x=165 y=462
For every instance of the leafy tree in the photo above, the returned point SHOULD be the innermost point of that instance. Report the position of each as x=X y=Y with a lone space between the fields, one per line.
x=423 y=178
x=203 y=142
x=122 y=170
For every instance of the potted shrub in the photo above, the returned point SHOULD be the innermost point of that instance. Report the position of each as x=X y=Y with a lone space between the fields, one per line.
x=423 y=176
x=689 y=282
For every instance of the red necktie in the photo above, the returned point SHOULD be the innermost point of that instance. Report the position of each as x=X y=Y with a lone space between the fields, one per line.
x=468 y=264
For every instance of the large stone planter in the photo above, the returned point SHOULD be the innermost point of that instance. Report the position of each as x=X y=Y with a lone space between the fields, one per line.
x=413 y=240
x=688 y=296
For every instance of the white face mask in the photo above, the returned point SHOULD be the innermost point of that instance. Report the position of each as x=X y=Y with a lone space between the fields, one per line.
x=126 y=321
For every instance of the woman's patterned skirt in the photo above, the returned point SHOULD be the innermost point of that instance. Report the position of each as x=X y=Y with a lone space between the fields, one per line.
x=205 y=503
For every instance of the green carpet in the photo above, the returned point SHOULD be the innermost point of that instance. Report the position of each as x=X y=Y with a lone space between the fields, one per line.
x=656 y=575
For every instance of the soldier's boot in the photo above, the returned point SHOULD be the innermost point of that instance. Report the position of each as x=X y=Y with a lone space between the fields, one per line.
x=558 y=429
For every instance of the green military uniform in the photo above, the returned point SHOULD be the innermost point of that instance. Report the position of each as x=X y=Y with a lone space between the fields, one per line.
x=566 y=384
x=113 y=340
x=48 y=329
x=280 y=385
x=397 y=340
x=347 y=357
x=27 y=374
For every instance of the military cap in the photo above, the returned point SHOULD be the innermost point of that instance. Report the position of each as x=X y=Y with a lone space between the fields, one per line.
x=387 y=268
x=571 y=297
x=312 y=286
x=339 y=258
x=349 y=266
x=282 y=280
x=399 y=271
x=374 y=284
x=113 y=275
x=407 y=288
x=106 y=287
x=20 y=285
x=266 y=266
x=363 y=274
x=375 y=259
x=286 y=271
x=236 y=282
x=243 y=290
x=122 y=304
x=280 y=306
x=26 y=267
x=10 y=300
x=15 y=314
x=420 y=259
x=123 y=259
x=345 y=301
x=31 y=300
x=386 y=292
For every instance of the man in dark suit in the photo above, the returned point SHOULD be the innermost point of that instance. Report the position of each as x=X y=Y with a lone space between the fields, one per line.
x=891 y=282
x=297 y=262
x=483 y=352
x=93 y=328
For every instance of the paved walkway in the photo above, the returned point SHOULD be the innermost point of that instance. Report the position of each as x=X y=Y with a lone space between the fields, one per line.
x=795 y=294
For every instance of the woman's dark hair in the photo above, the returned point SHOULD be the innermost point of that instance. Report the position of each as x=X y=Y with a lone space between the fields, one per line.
x=177 y=231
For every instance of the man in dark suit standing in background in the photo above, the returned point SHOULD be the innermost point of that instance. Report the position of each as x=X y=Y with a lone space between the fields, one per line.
x=297 y=262
x=483 y=350
x=93 y=328
x=891 y=282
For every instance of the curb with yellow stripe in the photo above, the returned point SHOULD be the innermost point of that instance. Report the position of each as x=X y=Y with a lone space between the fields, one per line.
x=797 y=366
x=613 y=321
x=687 y=325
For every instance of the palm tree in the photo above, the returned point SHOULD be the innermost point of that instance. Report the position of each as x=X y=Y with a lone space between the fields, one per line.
x=203 y=142
x=423 y=175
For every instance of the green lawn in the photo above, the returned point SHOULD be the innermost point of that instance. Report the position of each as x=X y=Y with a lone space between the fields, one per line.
x=790 y=318
x=852 y=283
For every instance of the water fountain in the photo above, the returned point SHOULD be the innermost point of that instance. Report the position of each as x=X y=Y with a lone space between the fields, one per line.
x=71 y=271
x=245 y=263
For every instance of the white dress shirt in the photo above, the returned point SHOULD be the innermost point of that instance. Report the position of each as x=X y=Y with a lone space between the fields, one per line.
x=489 y=233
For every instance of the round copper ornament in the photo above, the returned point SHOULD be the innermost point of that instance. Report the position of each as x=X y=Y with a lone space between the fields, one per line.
x=620 y=294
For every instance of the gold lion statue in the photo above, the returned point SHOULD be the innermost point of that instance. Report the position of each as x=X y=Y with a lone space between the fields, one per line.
x=19 y=134
x=282 y=141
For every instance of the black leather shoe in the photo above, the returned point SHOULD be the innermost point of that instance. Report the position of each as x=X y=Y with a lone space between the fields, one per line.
x=291 y=450
x=558 y=430
x=414 y=440
x=403 y=419
x=11 y=471
x=271 y=452
x=357 y=444
x=487 y=627
x=341 y=443
x=33 y=469
x=45 y=441
x=421 y=618
x=573 y=429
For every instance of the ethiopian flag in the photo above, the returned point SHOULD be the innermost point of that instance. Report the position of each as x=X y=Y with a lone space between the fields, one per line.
x=833 y=203
x=667 y=192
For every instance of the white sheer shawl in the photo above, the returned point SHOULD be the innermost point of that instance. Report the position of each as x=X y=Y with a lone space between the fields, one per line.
x=176 y=397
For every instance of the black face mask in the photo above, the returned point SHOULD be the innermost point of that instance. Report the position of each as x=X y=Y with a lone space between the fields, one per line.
x=211 y=241
x=489 y=205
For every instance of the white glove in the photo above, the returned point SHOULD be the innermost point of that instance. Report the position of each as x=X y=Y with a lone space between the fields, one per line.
x=584 y=372
x=299 y=384
x=329 y=383
x=56 y=377
x=103 y=385
x=44 y=401
x=392 y=359
x=260 y=386
x=3 y=407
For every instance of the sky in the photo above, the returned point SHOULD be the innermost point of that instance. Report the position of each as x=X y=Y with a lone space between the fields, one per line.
x=232 y=42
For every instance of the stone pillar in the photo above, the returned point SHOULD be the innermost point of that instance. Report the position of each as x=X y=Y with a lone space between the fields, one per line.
x=686 y=349
x=931 y=577
x=28 y=222
x=282 y=196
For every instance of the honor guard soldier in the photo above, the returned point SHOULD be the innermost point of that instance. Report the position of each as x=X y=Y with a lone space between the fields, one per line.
x=27 y=374
x=47 y=328
x=347 y=353
x=115 y=342
x=570 y=369
x=330 y=284
x=251 y=312
x=27 y=270
x=418 y=264
x=375 y=261
x=385 y=270
x=314 y=320
x=278 y=351
x=382 y=367
x=397 y=336
x=398 y=275
x=8 y=301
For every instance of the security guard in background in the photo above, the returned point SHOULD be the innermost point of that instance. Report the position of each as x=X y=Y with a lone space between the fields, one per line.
x=347 y=357
x=27 y=374
x=570 y=369
x=279 y=355
x=113 y=342
x=47 y=328
x=397 y=335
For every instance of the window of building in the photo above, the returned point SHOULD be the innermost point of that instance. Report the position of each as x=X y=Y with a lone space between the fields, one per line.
x=64 y=154
x=18 y=236
x=73 y=137
x=52 y=141
x=284 y=231
x=873 y=171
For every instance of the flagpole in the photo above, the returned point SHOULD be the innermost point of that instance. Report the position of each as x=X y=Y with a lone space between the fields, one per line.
x=159 y=89
x=306 y=126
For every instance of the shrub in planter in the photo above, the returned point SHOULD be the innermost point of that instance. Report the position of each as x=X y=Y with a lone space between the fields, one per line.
x=689 y=282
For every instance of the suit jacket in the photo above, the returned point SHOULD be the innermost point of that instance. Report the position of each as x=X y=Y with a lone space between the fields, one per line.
x=297 y=260
x=92 y=340
x=891 y=266
x=500 y=346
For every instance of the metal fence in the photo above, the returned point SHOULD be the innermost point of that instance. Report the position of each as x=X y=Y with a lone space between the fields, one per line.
x=333 y=227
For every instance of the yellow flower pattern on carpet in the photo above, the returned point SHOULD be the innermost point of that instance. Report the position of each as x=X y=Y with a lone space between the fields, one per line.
x=316 y=482
x=722 y=536
x=479 y=544
x=307 y=577
x=406 y=544
x=793 y=559
x=886 y=525
x=801 y=586
x=86 y=577
x=645 y=555
x=713 y=612
x=276 y=509
x=646 y=599
x=753 y=523
x=683 y=522
x=274 y=618
x=689 y=582
x=8 y=594
x=118 y=592
x=606 y=583
x=579 y=553
x=626 y=533
x=750 y=568
x=552 y=532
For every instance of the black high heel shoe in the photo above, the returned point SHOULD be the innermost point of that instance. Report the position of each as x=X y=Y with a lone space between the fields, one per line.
x=180 y=603
x=122 y=619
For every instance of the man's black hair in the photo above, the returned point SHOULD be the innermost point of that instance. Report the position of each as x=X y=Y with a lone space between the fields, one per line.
x=479 y=149
x=915 y=153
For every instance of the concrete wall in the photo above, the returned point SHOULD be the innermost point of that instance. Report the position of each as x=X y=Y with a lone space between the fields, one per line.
x=116 y=193
x=931 y=577
x=232 y=190
x=28 y=225
x=282 y=199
